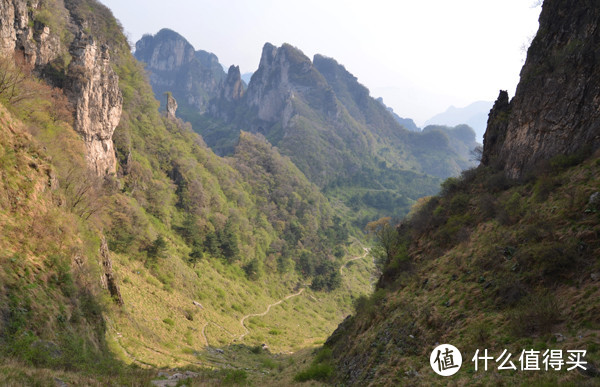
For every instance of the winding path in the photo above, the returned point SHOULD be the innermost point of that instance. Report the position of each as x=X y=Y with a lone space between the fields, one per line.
x=263 y=313
x=366 y=249
x=204 y=333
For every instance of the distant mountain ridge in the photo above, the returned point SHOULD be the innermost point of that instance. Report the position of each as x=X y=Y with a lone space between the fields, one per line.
x=317 y=113
x=174 y=65
x=408 y=123
x=475 y=115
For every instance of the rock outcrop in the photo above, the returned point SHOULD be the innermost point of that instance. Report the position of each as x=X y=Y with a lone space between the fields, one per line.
x=283 y=75
x=26 y=29
x=171 y=107
x=194 y=77
x=496 y=129
x=108 y=279
x=270 y=90
x=556 y=108
x=232 y=91
x=21 y=33
x=93 y=88
x=233 y=88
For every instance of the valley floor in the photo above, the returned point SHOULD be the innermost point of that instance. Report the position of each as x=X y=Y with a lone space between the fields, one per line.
x=227 y=331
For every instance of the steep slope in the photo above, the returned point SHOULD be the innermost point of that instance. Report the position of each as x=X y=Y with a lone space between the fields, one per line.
x=494 y=263
x=555 y=109
x=408 y=123
x=50 y=313
x=158 y=213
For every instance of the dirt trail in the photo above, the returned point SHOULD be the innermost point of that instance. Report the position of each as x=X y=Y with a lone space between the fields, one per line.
x=204 y=333
x=264 y=313
x=366 y=249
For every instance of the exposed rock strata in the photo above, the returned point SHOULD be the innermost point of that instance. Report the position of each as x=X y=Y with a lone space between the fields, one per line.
x=556 y=108
x=20 y=33
x=93 y=88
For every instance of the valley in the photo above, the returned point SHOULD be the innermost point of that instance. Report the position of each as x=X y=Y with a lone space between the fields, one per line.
x=166 y=222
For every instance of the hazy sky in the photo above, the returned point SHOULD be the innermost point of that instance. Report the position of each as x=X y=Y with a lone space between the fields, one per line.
x=420 y=56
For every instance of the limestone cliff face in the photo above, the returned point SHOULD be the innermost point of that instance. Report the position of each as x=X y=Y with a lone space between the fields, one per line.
x=269 y=90
x=233 y=88
x=496 y=129
x=282 y=74
x=93 y=88
x=556 y=108
x=232 y=92
x=171 y=107
x=194 y=77
x=91 y=84
x=21 y=33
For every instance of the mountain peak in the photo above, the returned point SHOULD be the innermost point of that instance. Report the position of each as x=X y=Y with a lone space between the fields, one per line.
x=282 y=72
x=174 y=65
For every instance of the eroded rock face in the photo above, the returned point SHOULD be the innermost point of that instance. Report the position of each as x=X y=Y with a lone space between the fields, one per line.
x=93 y=88
x=270 y=90
x=194 y=77
x=171 y=107
x=232 y=91
x=233 y=88
x=283 y=74
x=19 y=33
x=496 y=129
x=14 y=26
x=556 y=109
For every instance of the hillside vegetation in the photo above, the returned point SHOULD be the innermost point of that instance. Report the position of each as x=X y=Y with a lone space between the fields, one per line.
x=489 y=263
x=195 y=241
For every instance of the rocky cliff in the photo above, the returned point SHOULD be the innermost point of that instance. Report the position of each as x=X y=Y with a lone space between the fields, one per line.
x=93 y=88
x=283 y=74
x=232 y=90
x=21 y=31
x=41 y=32
x=194 y=77
x=556 y=108
x=171 y=107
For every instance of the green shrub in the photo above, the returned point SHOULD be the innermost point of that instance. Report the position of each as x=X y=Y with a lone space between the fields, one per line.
x=324 y=354
x=368 y=305
x=543 y=187
x=320 y=372
x=562 y=161
x=235 y=377
x=459 y=203
x=498 y=182
x=169 y=322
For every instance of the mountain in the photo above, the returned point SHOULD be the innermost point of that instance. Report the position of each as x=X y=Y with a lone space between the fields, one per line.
x=246 y=77
x=408 y=123
x=342 y=139
x=130 y=250
x=505 y=257
x=475 y=115
x=461 y=139
x=125 y=238
x=173 y=65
